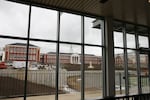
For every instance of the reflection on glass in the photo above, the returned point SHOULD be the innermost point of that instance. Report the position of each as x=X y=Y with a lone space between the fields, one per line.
x=12 y=67
x=130 y=40
x=42 y=69
x=119 y=72
x=43 y=23
x=143 y=41
x=70 y=27
x=132 y=72
x=93 y=33
x=93 y=73
x=118 y=39
x=69 y=72
x=145 y=87
x=13 y=18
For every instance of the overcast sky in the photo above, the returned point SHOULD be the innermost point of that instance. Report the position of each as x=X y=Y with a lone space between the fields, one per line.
x=14 y=21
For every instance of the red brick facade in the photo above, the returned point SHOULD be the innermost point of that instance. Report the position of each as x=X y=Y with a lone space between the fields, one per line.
x=68 y=58
x=17 y=52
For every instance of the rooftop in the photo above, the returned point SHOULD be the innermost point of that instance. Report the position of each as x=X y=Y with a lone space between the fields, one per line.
x=23 y=44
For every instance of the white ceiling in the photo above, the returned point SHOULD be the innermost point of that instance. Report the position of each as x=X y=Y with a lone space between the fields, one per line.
x=134 y=11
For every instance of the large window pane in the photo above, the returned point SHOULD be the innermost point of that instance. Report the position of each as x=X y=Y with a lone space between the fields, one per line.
x=132 y=72
x=70 y=27
x=118 y=39
x=43 y=23
x=93 y=33
x=93 y=72
x=118 y=34
x=143 y=36
x=69 y=72
x=42 y=69
x=144 y=71
x=12 y=67
x=130 y=40
x=143 y=41
x=13 y=19
x=119 y=72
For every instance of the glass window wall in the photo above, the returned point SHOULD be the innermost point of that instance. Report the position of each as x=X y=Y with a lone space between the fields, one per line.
x=45 y=63
x=133 y=44
x=62 y=55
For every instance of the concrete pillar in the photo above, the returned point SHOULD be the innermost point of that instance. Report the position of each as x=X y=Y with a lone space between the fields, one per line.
x=109 y=71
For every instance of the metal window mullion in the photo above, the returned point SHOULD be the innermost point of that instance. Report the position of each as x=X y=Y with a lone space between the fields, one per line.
x=57 y=56
x=149 y=58
x=125 y=61
x=27 y=51
x=138 y=62
x=104 y=60
x=82 y=61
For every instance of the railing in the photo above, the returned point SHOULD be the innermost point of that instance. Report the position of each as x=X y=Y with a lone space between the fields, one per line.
x=42 y=82
x=131 y=97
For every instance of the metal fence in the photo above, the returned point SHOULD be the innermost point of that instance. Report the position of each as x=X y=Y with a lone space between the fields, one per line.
x=42 y=82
